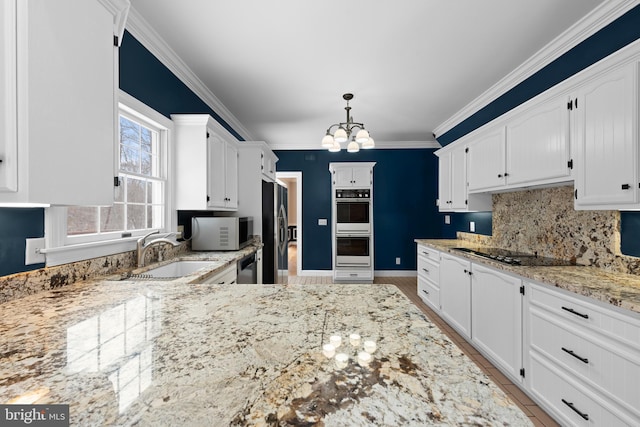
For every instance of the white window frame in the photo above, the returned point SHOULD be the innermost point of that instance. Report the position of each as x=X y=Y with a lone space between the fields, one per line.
x=62 y=249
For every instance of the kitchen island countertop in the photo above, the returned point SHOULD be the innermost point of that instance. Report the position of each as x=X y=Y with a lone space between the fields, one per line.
x=153 y=353
x=616 y=289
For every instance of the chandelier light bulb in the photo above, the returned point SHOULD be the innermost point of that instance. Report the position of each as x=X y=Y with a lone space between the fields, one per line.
x=335 y=147
x=369 y=143
x=353 y=147
x=327 y=141
x=362 y=136
x=340 y=135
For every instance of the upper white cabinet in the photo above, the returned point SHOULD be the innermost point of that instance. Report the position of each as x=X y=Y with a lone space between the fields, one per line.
x=58 y=81
x=486 y=160
x=452 y=183
x=206 y=164
x=352 y=174
x=252 y=161
x=605 y=115
x=538 y=144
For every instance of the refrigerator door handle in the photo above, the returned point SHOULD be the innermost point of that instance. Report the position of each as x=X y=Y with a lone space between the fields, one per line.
x=282 y=229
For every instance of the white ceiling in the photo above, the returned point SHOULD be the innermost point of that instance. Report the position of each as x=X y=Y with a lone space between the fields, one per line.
x=280 y=67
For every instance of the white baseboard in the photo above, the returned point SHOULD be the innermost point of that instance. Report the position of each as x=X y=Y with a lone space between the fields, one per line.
x=316 y=273
x=378 y=273
x=395 y=273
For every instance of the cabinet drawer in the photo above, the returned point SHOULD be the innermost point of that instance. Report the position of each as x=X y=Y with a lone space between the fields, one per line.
x=429 y=253
x=429 y=270
x=572 y=404
x=355 y=275
x=429 y=293
x=608 y=322
x=225 y=277
x=615 y=372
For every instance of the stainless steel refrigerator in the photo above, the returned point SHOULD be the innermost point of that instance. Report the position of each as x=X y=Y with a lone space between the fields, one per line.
x=275 y=254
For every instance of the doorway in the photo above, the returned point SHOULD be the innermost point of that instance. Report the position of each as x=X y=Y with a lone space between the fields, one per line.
x=293 y=181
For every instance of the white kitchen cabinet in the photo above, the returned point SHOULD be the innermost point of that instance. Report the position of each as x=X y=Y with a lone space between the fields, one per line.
x=352 y=175
x=206 y=164
x=455 y=293
x=486 y=160
x=582 y=358
x=429 y=276
x=538 y=144
x=605 y=130
x=251 y=161
x=268 y=162
x=58 y=109
x=496 y=318
x=452 y=183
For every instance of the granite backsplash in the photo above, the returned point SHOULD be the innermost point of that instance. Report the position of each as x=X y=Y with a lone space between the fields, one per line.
x=544 y=221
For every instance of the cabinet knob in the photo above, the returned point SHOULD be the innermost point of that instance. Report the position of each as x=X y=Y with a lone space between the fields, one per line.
x=499 y=175
x=426 y=271
x=426 y=292
x=506 y=174
x=626 y=186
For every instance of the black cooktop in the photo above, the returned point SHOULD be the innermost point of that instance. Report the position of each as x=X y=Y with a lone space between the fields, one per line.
x=506 y=256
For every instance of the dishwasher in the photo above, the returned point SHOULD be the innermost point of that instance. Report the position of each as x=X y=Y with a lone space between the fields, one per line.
x=248 y=269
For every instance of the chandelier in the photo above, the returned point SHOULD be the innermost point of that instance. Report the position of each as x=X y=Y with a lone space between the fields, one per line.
x=344 y=131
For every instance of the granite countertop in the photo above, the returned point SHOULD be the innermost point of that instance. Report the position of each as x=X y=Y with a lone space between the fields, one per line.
x=167 y=353
x=617 y=289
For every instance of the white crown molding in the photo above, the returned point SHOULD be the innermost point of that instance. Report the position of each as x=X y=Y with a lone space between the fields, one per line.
x=151 y=40
x=380 y=145
x=597 y=19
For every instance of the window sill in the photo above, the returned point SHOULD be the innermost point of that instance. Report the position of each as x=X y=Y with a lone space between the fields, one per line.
x=84 y=251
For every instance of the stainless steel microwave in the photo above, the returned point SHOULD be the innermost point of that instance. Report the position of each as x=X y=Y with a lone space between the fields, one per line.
x=221 y=233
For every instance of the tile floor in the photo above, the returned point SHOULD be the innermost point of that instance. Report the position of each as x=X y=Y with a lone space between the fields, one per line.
x=408 y=286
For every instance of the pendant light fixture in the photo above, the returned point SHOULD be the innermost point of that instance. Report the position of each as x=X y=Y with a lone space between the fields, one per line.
x=343 y=133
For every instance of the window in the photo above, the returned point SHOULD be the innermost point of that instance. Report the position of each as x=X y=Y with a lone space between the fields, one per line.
x=142 y=199
x=139 y=201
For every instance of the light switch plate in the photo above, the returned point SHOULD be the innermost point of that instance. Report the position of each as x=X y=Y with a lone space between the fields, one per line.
x=472 y=227
x=32 y=253
x=447 y=219
x=322 y=221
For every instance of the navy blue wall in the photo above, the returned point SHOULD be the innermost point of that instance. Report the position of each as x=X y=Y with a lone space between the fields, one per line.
x=404 y=194
x=614 y=36
x=17 y=225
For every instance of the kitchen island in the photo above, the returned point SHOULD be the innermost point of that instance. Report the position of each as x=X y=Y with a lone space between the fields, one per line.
x=148 y=353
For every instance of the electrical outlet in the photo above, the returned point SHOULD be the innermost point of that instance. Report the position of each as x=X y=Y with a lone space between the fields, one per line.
x=32 y=253
x=472 y=227
x=180 y=230
x=397 y=260
x=322 y=221
x=447 y=219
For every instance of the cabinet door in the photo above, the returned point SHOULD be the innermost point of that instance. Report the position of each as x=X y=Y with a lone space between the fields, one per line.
x=486 y=161
x=444 y=182
x=459 y=179
x=606 y=117
x=496 y=307
x=8 y=118
x=362 y=177
x=455 y=293
x=537 y=144
x=216 y=192
x=343 y=177
x=231 y=176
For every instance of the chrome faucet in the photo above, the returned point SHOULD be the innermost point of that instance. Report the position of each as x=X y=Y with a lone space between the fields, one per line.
x=142 y=245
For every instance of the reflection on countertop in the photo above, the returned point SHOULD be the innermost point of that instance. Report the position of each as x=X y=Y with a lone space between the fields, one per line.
x=165 y=353
x=617 y=289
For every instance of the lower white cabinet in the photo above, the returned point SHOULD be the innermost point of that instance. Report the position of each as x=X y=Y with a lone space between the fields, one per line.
x=455 y=293
x=496 y=318
x=578 y=359
x=228 y=276
x=584 y=359
x=429 y=276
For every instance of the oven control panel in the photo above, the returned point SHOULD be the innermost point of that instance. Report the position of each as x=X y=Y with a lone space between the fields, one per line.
x=354 y=193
